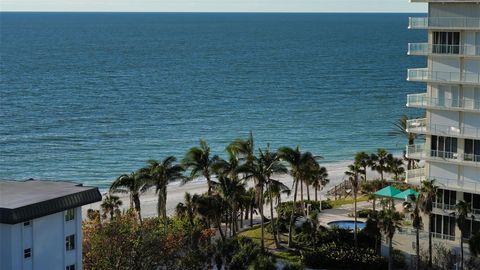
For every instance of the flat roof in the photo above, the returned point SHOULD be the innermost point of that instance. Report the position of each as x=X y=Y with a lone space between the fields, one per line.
x=26 y=200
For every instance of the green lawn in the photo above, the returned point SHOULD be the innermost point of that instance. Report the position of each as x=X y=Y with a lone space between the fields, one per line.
x=349 y=200
x=255 y=235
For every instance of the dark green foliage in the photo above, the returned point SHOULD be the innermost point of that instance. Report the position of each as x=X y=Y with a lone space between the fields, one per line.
x=242 y=253
x=366 y=213
x=285 y=209
x=339 y=256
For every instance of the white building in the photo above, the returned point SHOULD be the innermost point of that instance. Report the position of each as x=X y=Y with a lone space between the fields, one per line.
x=451 y=127
x=41 y=224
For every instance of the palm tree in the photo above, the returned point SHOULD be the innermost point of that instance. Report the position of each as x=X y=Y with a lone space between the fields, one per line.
x=474 y=244
x=159 y=175
x=231 y=190
x=271 y=164
x=273 y=194
x=461 y=214
x=111 y=205
x=198 y=160
x=400 y=129
x=261 y=169
x=298 y=162
x=380 y=161
x=134 y=185
x=395 y=166
x=320 y=179
x=389 y=221
x=428 y=193
x=211 y=207
x=354 y=175
x=363 y=159
x=243 y=148
x=412 y=206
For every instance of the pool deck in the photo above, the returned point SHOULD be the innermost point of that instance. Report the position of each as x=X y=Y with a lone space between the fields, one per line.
x=341 y=213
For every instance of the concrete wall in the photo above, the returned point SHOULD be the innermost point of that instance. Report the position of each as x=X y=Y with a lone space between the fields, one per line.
x=453 y=10
x=46 y=238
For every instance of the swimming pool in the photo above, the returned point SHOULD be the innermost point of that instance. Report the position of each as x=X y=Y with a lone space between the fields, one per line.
x=347 y=224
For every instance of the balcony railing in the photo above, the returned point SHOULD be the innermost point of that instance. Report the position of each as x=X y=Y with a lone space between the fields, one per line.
x=419 y=151
x=416 y=176
x=444 y=22
x=426 y=49
x=443 y=206
x=443 y=236
x=424 y=101
x=424 y=75
x=420 y=126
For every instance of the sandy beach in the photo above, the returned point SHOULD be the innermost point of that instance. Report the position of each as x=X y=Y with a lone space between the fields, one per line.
x=176 y=191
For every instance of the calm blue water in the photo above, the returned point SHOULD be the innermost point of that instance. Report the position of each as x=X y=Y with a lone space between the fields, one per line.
x=348 y=224
x=87 y=97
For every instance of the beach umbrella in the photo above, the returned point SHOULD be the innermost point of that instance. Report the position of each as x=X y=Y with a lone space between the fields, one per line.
x=387 y=192
x=405 y=194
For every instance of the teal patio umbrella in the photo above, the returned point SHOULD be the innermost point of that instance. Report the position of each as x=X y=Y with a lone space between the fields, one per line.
x=387 y=192
x=405 y=194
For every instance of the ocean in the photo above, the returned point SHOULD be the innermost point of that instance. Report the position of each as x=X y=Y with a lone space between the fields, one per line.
x=89 y=96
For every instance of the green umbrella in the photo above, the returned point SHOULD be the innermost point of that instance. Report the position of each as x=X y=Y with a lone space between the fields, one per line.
x=387 y=192
x=405 y=194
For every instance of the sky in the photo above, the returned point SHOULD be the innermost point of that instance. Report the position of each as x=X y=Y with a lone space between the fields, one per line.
x=214 y=5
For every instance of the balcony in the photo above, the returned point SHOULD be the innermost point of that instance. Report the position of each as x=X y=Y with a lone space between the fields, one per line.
x=443 y=49
x=420 y=126
x=425 y=102
x=425 y=75
x=443 y=206
x=416 y=176
x=420 y=151
x=470 y=23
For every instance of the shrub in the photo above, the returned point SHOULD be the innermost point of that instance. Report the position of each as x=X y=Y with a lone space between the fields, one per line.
x=366 y=213
x=333 y=255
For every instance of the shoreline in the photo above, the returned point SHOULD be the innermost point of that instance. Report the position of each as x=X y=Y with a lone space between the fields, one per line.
x=176 y=191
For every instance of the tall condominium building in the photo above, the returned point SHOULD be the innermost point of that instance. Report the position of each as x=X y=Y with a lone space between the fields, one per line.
x=41 y=224
x=451 y=127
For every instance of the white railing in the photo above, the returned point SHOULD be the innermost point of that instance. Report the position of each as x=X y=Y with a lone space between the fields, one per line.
x=425 y=49
x=422 y=127
x=444 y=22
x=415 y=176
x=424 y=75
x=424 y=101
x=443 y=206
x=443 y=236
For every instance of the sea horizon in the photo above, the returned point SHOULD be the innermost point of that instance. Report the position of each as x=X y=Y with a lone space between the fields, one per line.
x=87 y=96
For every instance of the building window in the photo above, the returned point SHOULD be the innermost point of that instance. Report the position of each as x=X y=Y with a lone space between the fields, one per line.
x=27 y=253
x=70 y=267
x=26 y=223
x=446 y=42
x=444 y=147
x=472 y=150
x=70 y=214
x=70 y=242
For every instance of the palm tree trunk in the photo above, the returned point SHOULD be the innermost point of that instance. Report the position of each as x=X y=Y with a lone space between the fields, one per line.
x=301 y=198
x=374 y=202
x=381 y=175
x=418 y=248
x=430 y=241
x=390 y=254
x=251 y=214
x=355 y=214
x=131 y=200
x=316 y=194
x=272 y=221
x=136 y=200
x=308 y=191
x=219 y=225
x=292 y=216
x=260 y=208
x=241 y=217
x=461 y=251
x=206 y=174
